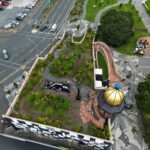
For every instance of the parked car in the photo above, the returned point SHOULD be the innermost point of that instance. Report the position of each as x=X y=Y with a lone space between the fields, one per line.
x=5 y=54
x=28 y=7
x=53 y=27
x=19 y=18
x=14 y=24
x=7 y=26
x=23 y=14
x=43 y=27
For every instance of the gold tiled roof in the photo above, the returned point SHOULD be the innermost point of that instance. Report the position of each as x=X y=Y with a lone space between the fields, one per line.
x=113 y=96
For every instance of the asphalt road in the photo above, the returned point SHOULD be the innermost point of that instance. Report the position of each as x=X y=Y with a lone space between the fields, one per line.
x=7 y=143
x=144 y=63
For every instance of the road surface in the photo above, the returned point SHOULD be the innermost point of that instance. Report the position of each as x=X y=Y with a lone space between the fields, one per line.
x=24 y=46
x=7 y=143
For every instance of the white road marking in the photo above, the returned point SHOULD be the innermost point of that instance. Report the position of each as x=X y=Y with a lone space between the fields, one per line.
x=8 y=66
x=13 y=137
x=144 y=66
x=10 y=62
x=26 y=140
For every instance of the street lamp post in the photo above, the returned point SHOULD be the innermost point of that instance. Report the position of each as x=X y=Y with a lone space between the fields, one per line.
x=78 y=97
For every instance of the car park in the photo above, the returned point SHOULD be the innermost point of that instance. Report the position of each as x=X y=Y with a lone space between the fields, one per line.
x=5 y=54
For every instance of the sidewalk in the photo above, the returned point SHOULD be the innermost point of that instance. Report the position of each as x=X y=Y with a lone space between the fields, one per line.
x=142 y=13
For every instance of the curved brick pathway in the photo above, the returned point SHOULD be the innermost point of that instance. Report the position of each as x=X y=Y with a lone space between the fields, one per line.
x=105 y=50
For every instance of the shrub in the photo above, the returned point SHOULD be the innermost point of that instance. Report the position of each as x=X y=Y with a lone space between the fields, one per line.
x=49 y=111
x=116 y=28
x=77 y=128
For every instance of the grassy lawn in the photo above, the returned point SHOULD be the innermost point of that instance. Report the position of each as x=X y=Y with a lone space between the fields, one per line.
x=148 y=6
x=92 y=11
x=138 y=25
x=103 y=65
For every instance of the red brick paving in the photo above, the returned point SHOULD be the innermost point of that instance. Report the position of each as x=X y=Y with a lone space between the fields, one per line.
x=105 y=50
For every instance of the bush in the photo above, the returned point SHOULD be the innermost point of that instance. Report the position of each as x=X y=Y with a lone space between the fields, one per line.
x=102 y=133
x=77 y=128
x=78 y=26
x=143 y=103
x=49 y=111
x=116 y=28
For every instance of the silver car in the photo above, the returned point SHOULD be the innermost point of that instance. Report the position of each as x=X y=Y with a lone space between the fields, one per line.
x=5 y=54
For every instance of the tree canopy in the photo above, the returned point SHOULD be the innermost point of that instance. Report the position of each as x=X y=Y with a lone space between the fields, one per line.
x=143 y=103
x=116 y=28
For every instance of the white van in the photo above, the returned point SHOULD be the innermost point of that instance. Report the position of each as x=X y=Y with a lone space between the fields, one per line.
x=53 y=27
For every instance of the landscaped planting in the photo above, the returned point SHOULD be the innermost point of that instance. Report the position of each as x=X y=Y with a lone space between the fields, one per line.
x=77 y=10
x=143 y=103
x=78 y=39
x=60 y=109
x=75 y=61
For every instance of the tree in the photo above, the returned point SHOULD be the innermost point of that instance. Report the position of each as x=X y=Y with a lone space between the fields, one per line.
x=116 y=28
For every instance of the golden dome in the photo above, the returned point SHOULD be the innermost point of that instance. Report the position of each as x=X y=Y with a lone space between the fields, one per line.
x=113 y=96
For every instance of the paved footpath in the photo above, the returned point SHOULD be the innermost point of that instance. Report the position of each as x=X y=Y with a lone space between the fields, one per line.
x=142 y=13
x=144 y=62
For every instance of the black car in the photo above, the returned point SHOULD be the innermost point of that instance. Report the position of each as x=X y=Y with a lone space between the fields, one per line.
x=43 y=27
x=19 y=18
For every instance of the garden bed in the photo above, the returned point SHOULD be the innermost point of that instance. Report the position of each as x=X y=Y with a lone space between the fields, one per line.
x=60 y=109
x=78 y=39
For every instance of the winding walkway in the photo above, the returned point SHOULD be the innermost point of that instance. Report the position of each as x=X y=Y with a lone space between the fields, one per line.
x=97 y=18
x=105 y=50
